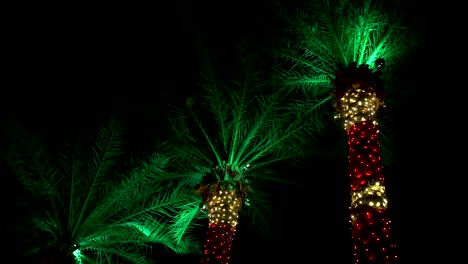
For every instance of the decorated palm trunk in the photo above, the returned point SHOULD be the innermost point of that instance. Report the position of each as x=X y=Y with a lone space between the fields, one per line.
x=357 y=102
x=223 y=202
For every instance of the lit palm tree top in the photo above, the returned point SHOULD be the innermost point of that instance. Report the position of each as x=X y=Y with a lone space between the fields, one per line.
x=331 y=37
x=234 y=133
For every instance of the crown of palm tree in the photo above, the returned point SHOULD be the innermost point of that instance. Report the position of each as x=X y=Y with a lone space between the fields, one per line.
x=331 y=35
x=334 y=35
x=88 y=209
x=235 y=132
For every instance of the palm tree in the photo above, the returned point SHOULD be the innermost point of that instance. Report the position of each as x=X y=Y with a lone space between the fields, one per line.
x=342 y=48
x=232 y=135
x=86 y=212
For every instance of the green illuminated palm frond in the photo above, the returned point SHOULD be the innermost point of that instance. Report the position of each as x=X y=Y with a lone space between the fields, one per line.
x=83 y=201
x=91 y=170
x=332 y=34
x=247 y=124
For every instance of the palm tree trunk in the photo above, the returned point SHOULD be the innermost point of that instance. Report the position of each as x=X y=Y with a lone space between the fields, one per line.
x=358 y=100
x=218 y=244
x=223 y=202
x=369 y=217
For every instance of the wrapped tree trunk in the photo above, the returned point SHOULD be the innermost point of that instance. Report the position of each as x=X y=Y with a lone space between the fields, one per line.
x=223 y=202
x=358 y=100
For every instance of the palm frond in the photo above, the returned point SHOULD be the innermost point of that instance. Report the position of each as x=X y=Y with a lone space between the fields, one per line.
x=184 y=221
x=332 y=34
x=103 y=254
x=103 y=156
x=251 y=124
x=32 y=161
x=260 y=211
x=105 y=214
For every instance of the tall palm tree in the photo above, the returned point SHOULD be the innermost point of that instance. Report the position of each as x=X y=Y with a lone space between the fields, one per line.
x=349 y=49
x=86 y=212
x=231 y=135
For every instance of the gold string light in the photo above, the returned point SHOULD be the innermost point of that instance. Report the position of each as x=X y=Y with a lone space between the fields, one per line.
x=373 y=195
x=358 y=105
x=224 y=207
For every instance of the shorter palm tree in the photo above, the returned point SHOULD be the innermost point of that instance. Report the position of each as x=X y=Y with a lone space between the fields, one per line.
x=87 y=213
x=231 y=136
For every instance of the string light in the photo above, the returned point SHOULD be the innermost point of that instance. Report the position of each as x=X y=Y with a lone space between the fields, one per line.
x=218 y=244
x=223 y=202
x=357 y=107
x=223 y=208
x=370 y=222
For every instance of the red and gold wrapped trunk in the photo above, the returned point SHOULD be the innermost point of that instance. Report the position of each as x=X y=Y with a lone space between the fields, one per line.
x=357 y=102
x=223 y=202
x=371 y=224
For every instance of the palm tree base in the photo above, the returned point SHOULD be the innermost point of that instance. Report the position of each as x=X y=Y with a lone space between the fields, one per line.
x=371 y=236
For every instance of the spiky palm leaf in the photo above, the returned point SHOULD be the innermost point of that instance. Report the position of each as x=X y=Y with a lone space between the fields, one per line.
x=90 y=210
x=333 y=34
x=330 y=35
x=247 y=128
x=231 y=138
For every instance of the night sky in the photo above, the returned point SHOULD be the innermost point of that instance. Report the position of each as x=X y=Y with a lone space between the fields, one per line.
x=72 y=66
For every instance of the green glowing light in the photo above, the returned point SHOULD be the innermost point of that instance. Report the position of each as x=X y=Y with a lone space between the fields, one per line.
x=78 y=256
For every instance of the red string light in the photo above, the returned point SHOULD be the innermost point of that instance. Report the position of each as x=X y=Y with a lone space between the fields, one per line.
x=371 y=225
x=218 y=244
x=357 y=104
